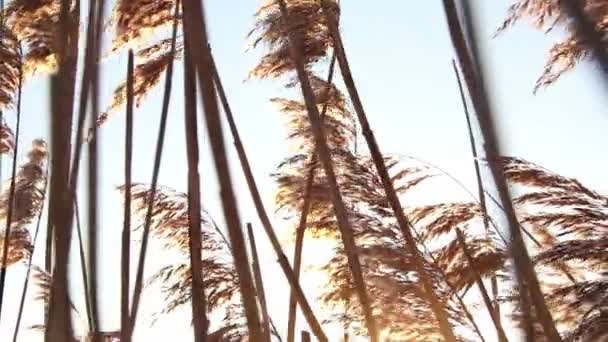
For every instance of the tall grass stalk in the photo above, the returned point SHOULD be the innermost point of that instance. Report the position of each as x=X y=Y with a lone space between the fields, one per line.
x=138 y=287
x=259 y=283
x=480 y=189
x=301 y=229
x=125 y=259
x=85 y=89
x=93 y=169
x=83 y=265
x=324 y=155
x=405 y=226
x=195 y=34
x=199 y=307
x=261 y=211
x=59 y=232
x=474 y=80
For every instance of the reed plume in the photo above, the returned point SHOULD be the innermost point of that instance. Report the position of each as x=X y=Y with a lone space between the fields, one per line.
x=141 y=23
x=35 y=24
x=28 y=199
x=307 y=19
x=546 y=15
x=10 y=68
x=170 y=226
x=7 y=139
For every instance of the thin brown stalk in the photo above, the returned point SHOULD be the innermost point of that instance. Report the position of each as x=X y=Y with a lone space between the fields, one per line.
x=199 y=307
x=261 y=211
x=67 y=51
x=29 y=262
x=305 y=336
x=404 y=225
x=125 y=260
x=195 y=34
x=153 y=186
x=83 y=265
x=474 y=80
x=299 y=246
x=11 y=197
x=482 y=289
x=259 y=284
x=480 y=189
x=75 y=164
x=93 y=170
x=59 y=324
x=299 y=243
x=324 y=155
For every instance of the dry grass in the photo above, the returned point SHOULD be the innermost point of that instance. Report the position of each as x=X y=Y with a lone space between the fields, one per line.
x=567 y=220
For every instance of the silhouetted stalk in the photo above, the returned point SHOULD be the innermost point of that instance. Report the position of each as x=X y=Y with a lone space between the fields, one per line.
x=86 y=81
x=93 y=169
x=480 y=189
x=199 y=306
x=11 y=196
x=305 y=336
x=195 y=34
x=153 y=185
x=524 y=268
x=75 y=164
x=59 y=325
x=404 y=225
x=298 y=248
x=261 y=211
x=29 y=262
x=85 y=87
x=301 y=230
x=482 y=289
x=59 y=232
x=83 y=265
x=259 y=284
x=125 y=260
x=275 y=332
x=324 y=155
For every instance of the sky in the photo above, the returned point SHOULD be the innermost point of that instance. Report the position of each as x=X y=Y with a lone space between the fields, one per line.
x=400 y=55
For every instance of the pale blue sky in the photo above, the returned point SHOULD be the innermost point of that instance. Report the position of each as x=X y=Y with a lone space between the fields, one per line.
x=400 y=55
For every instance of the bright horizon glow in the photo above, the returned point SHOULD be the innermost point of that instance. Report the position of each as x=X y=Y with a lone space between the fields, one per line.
x=401 y=55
